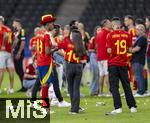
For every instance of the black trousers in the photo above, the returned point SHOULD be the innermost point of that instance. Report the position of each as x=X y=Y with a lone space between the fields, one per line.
x=57 y=91
x=117 y=73
x=19 y=69
x=74 y=74
x=56 y=86
x=35 y=88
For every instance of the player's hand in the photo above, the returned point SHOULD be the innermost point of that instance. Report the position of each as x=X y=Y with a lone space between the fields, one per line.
x=3 y=48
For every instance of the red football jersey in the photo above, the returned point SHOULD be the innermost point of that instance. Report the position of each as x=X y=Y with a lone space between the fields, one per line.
x=119 y=41
x=68 y=47
x=92 y=44
x=101 y=44
x=43 y=42
x=132 y=32
x=8 y=42
x=33 y=42
x=30 y=69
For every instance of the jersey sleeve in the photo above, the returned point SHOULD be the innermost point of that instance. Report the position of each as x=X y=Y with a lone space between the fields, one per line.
x=47 y=40
x=23 y=35
x=108 y=41
x=91 y=43
x=129 y=41
x=62 y=45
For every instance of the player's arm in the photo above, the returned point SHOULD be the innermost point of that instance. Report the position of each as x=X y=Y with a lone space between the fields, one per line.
x=49 y=50
x=135 y=49
x=22 y=45
x=32 y=47
x=60 y=52
x=48 y=46
x=129 y=50
x=92 y=45
x=108 y=44
x=5 y=37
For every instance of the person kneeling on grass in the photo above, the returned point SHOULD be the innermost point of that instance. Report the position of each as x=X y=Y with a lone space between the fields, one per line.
x=30 y=77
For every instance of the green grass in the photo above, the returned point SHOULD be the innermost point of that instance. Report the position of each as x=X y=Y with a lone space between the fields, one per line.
x=93 y=113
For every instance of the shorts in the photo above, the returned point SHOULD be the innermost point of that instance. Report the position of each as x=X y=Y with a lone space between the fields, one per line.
x=103 y=67
x=46 y=74
x=6 y=60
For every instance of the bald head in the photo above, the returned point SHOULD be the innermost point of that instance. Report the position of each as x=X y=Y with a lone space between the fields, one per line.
x=140 y=29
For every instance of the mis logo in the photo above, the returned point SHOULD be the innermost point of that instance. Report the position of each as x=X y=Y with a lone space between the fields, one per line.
x=16 y=110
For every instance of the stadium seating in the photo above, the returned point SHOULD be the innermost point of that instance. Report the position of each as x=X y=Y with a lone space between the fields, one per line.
x=29 y=11
x=96 y=10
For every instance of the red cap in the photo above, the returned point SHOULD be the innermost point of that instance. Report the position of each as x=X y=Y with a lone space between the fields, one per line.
x=47 y=18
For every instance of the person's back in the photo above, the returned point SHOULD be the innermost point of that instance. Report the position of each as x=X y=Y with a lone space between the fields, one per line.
x=101 y=44
x=120 y=41
x=42 y=57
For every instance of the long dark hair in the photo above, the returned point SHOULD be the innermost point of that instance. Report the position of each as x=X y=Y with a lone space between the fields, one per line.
x=79 y=48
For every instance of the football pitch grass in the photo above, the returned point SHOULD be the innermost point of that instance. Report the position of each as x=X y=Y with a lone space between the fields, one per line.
x=93 y=113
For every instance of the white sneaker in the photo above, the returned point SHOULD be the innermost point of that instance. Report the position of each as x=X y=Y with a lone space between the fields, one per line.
x=138 y=95
x=0 y=91
x=73 y=113
x=146 y=94
x=54 y=102
x=100 y=95
x=133 y=110
x=134 y=92
x=116 y=111
x=28 y=93
x=108 y=95
x=81 y=110
x=10 y=91
x=64 y=104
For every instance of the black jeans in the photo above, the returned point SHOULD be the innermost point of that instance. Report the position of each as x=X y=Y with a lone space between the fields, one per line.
x=19 y=69
x=56 y=86
x=74 y=74
x=35 y=88
x=116 y=73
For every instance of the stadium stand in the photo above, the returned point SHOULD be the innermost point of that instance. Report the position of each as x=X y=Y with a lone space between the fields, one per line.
x=29 y=11
x=96 y=10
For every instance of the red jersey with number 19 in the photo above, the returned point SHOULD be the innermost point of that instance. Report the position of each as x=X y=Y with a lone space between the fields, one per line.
x=43 y=41
x=119 y=41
